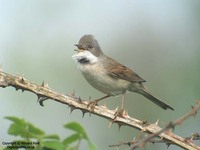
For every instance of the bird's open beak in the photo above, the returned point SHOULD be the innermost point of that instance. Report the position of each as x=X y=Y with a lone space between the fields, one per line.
x=80 y=48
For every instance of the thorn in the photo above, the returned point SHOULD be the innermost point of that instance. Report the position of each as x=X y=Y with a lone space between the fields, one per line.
x=41 y=99
x=23 y=90
x=46 y=85
x=120 y=125
x=16 y=88
x=126 y=114
x=72 y=108
x=116 y=109
x=79 y=99
x=144 y=122
x=130 y=143
x=42 y=84
x=83 y=113
x=110 y=123
x=168 y=144
x=156 y=123
x=41 y=103
x=22 y=79
x=39 y=96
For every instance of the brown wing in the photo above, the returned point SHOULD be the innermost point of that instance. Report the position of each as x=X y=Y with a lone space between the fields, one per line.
x=120 y=71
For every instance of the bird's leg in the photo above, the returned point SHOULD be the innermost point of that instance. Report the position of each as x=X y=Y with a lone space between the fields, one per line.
x=102 y=98
x=93 y=103
x=123 y=100
x=122 y=112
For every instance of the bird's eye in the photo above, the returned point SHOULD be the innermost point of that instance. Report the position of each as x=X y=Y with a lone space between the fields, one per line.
x=90 y=46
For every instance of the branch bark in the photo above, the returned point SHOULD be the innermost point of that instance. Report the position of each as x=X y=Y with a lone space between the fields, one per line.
x=44 y=92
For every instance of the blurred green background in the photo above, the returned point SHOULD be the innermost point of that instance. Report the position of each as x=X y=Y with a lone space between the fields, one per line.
x=160 y=40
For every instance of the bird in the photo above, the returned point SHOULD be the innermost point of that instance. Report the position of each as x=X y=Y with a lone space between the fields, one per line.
x=108 y=75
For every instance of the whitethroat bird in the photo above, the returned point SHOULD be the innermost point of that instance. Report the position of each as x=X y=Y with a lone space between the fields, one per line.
x=107 y=75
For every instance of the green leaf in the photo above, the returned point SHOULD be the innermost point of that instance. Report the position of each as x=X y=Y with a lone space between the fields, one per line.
x=77 y=128
x=91 y=146
x=26 y=130
x=80 y=131
x=15 y=119
x=20 y=127
x=36 y=132
x=73 y=138
x=72 y=148
x=54 y=145
x=52 y=136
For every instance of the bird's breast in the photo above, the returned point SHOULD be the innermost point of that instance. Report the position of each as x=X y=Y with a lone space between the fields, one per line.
x=97 y=76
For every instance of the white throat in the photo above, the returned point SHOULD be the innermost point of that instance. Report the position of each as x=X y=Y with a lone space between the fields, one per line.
x=85 y=57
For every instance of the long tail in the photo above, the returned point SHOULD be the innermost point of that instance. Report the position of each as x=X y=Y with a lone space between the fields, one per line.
x=155 y=100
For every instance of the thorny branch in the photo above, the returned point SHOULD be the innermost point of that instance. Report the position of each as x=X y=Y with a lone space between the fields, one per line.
x=141 y=142
x=194 y=136
x=43 y=93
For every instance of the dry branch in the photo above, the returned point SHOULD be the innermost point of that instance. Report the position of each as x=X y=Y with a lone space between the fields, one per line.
x=44 y=92
x=171 y=125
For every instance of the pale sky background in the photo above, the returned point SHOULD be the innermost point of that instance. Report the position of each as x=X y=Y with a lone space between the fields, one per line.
x=160 y=40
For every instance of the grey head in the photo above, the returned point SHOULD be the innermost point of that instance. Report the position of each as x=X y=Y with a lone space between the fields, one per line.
x=88 y=42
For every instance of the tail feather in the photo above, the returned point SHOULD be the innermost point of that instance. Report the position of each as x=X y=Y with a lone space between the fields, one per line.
x=155 y=100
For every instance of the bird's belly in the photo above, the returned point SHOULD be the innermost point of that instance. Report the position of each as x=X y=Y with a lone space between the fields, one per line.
x=98 y=78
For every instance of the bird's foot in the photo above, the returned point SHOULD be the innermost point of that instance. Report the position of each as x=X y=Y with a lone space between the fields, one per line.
x=120 y=113
x=92 y=104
